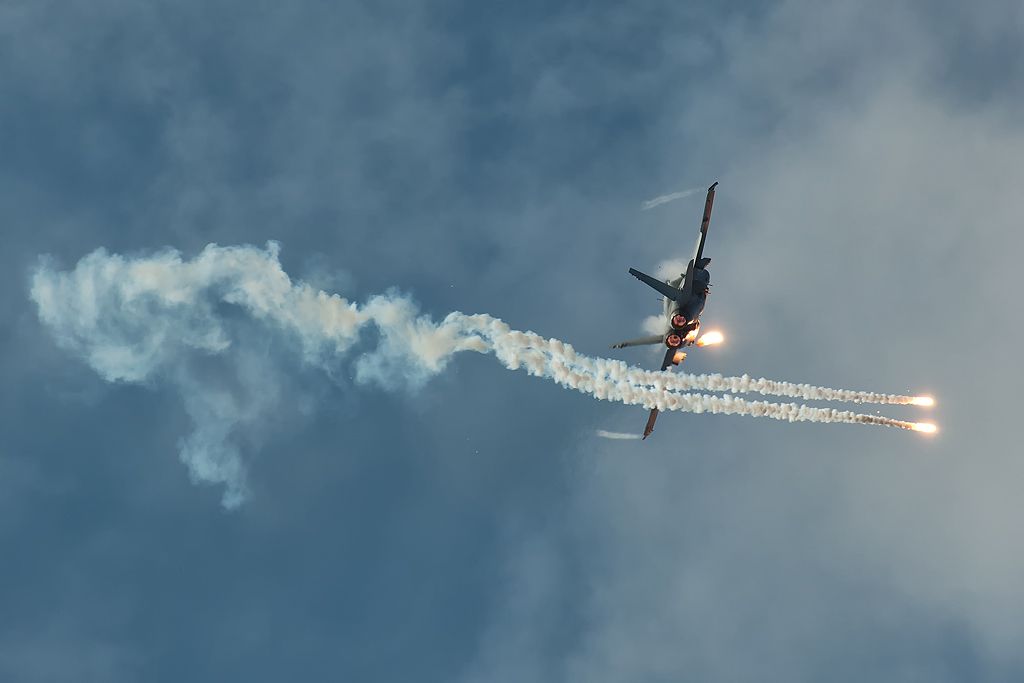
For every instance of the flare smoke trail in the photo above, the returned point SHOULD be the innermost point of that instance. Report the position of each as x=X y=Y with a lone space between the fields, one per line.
x=616 y=369
x=744 y=384
x=614 y=380
x=666 y=198
x=158 y=317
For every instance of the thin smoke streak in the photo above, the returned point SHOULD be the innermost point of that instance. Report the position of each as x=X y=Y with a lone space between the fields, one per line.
x=666 y=198
x=617 y=436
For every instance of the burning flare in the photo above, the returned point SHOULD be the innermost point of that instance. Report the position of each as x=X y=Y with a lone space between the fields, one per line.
x=926 y=401
x=710 y=339
x=926 y=427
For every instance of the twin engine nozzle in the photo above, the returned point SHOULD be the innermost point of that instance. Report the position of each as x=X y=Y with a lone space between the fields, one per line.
x=678 y=334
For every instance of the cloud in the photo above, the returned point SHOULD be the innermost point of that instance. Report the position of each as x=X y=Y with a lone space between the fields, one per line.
x=160 y=318
x=861 y=147
x=840 y=238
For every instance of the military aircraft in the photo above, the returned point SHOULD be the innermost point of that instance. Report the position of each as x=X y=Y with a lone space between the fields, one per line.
x=684 y=299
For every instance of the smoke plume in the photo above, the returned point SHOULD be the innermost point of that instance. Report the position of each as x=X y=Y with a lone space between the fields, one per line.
x=152 y=318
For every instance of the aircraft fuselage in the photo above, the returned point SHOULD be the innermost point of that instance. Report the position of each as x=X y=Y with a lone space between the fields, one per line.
x=690 y=309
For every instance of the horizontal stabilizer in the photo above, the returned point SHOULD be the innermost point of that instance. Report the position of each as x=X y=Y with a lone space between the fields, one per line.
x=642 y=341
x=654 y=283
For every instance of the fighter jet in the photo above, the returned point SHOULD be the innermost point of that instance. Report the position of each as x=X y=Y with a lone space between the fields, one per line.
x=684 y=299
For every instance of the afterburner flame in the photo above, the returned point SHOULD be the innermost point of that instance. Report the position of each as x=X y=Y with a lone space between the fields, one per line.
x=926 y=401
x=710 y=339
x=926 y=427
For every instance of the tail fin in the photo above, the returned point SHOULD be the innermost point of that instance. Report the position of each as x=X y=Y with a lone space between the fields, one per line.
x=665 y=288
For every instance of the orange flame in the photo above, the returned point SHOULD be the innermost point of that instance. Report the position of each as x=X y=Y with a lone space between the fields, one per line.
x=710 y=339
x=679 y=357
x=926 y=427
x=926 y=401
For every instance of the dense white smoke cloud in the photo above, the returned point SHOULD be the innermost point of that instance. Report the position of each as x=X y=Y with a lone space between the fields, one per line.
x=149 y=317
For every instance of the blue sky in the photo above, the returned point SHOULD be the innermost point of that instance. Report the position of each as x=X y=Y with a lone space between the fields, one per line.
x=484 y=159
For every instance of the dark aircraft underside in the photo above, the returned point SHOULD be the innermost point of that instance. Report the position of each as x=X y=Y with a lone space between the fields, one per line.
x=684 y=299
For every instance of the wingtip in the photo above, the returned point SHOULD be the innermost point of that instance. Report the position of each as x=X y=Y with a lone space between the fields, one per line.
x=713 y=186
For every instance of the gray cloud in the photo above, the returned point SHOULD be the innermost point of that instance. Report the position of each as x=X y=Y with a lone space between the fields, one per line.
x=442 y=144
x=163 y=318
x=866 y=232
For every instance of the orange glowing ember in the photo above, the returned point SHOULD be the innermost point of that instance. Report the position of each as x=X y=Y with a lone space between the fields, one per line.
x=926 y=427
x=679 y=357
x=710 y=339
x=926 y=401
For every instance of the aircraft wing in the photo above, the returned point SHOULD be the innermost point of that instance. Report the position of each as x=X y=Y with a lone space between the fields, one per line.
x=699 y=253
x=698 y=249
x=649 y=427
x=669 y=354
x=653 y=417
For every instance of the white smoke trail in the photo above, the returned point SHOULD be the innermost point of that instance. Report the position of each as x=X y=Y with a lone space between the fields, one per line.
x=151 y=317
x=615 y=381
x=745 y=384
x=662 y=381
x=617 y=436
x=666 y=198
